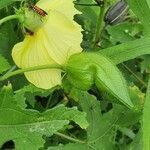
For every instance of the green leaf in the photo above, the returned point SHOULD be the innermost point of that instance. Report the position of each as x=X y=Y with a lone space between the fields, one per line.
x=98 y=124
x=27 y=93
x=127 y=51
x=70 y=146
x=26 y=127
x=146 y=120
x=5 y=3
x=99 y=131
x=137 y=143
x=4 y=64
x=88 y=20
x=95 y=69
x=8 y=38
x=137 y=97
x=124 y=32
x=145 y=64
x=148 y=3
x=141 y=9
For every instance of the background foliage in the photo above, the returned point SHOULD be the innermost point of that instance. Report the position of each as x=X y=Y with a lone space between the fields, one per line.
x=68 y=118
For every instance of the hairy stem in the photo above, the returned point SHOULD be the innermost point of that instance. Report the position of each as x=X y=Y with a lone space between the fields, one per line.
x=11 y=17
x=86 y=4
x=20 y=71
x=99 y=27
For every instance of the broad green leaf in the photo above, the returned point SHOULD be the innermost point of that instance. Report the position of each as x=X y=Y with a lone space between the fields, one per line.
x=99 y=131
x=4 y=65
x=8 y=38
x=124 y=32
x=137 y=143
x=128 y=117
x=137 y=97
x=141 y=9
x=95 y=69
x=145 y=64
x=88 y=20
x=69 y=146
x=98 y=124
x=5 y=3
x=146 y=120
x=127 y=51
x=148 y=3
x=28 y=93
x=26 y=127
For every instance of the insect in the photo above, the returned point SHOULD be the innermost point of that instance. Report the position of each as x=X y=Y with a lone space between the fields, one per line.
x=100 y=2
x=38 y=10
x=27 y=31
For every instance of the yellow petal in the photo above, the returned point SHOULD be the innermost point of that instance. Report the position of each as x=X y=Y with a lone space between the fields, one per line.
x=65 y=7
x=54 y=42
x=64 y=37
x=30 y=53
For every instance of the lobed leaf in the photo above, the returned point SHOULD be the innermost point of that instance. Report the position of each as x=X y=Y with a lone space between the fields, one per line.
x=26 y=127
x=99 y=131
x=4 y=64
x=70 y=146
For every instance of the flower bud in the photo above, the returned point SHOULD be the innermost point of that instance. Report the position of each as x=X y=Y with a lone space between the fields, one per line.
x=116 y=13
x=97 y=70
x=32 y=20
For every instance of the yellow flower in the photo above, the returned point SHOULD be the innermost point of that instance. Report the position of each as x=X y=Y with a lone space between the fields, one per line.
x=54 y=42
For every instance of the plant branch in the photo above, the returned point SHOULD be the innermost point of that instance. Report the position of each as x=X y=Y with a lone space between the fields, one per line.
x=99 y=27
x=11 y=17
x=20 y=71
x=86 y=4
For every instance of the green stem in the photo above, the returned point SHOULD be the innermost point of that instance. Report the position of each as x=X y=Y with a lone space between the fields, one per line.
x=9 y=18
x=86 y=4
x=99 y=26
x=69 y=138
x=20 y=71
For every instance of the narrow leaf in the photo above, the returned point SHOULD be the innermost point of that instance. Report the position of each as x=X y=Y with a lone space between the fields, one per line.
x=127 y=51
x=70 y=146
x=26 y=127
x=146 y=120
x=141 y=9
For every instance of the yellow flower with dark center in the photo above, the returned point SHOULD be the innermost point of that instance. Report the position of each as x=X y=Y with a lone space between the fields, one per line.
x=54 y=41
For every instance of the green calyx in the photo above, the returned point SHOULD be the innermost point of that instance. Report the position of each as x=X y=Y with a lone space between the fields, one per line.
x=97 y=70
x=30 y=19
x=27 y=17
